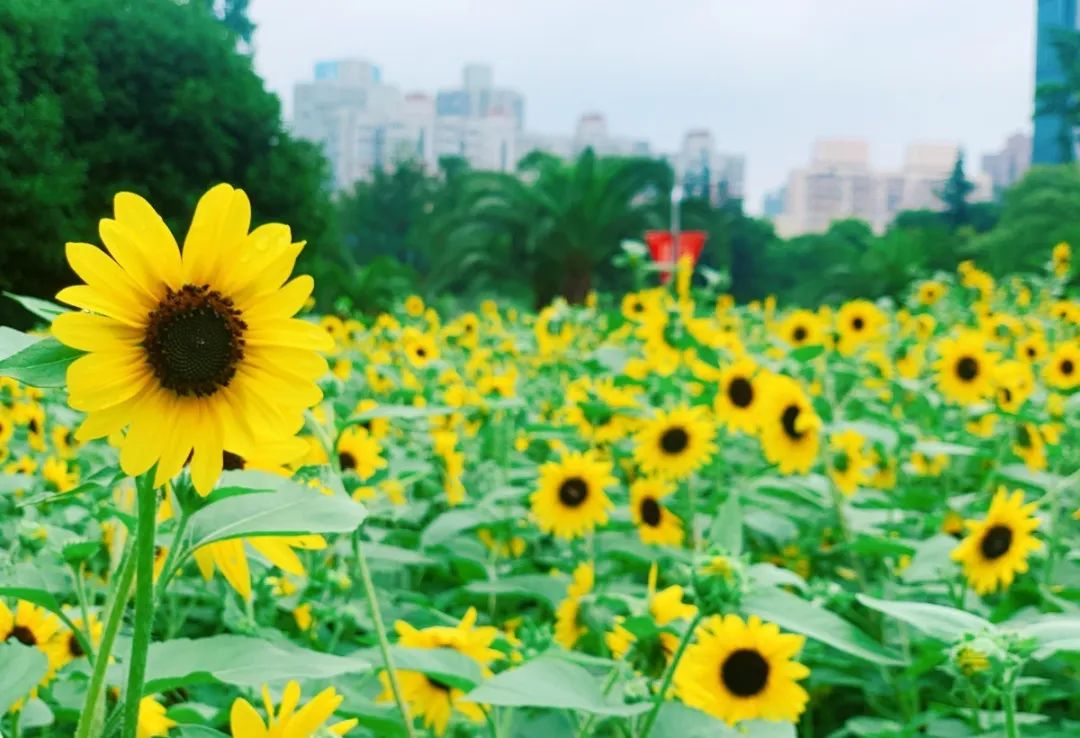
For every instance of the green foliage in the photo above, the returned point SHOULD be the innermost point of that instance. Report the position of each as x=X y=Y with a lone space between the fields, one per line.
x=149 y=96
x=1039 y=211
x=955 y=195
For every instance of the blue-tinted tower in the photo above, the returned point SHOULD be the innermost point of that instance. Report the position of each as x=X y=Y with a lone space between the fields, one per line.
x=1053 y=15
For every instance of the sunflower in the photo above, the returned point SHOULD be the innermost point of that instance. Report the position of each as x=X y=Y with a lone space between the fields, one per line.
x=656 y=524
x=571 y=500
x=32 y=415
x=789 y=426
x=738 y=670
x=1062 y=370
x=1032 y=349
x=568 y=628
x=1030 y=446
x=929 y=292
x=996 y=548
x=420 y=348
x=194 y=353
x=58 y=476
x=428 y=697
x=1060 y=260
x=802 y=328
x=29 y=625
x=153 y=722
x=245 y=721
x=1014 y=382
x=857 y=323
x=674 y=444
x=965 y=368
x=849 y=466
x=231 y=558
x=359 y=452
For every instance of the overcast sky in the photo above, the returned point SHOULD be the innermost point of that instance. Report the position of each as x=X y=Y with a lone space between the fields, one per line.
x=766 y=76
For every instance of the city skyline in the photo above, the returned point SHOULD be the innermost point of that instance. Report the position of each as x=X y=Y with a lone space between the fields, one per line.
x=815 y=70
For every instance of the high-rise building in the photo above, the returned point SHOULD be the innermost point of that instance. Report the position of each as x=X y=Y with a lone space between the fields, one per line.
x=707 y=173
x=1052 y=140
x=478 y=97
x=1006 y=166
x=841 y=183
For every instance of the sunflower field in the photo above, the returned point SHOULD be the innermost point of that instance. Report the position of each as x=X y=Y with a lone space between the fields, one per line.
x=651 y=515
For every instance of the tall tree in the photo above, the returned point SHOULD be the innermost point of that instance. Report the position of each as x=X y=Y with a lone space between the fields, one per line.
x=559 y=221
x=955 y=193
x=149 y=96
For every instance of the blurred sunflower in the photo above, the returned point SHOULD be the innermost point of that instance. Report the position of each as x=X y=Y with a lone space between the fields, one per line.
x=929 y=292
x=359 y=452
x=857 y=323
x=656 y=524
x=420 y=348
x=568 y=628
x=849 y=466
x=1062 y=370
x=1014 y=382
x=997 y=547
x=965 y=368
x=194 y=353
x=738 y=670
x=153 y=722
x=676 y=443
x=428 y=697
x=570 y=500
x=231 y=558
x=287 y=721
x=789 y=426
x=738 y=396
x=802 y=328
x=1032 y=348
x=1028 y=444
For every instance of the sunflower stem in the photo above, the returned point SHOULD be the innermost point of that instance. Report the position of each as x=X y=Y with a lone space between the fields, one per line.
x=1012 y=730
x=144 y=602
x=380 y=632
x=608 y=684
x=167 y=570
x=93 y=712
x=85 y=634
x=691 y=515
x=658 y=700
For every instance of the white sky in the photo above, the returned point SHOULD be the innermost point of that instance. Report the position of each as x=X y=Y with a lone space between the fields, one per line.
x=766 y=76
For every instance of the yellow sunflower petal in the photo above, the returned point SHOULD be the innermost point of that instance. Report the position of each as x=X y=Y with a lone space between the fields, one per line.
x=220 y=223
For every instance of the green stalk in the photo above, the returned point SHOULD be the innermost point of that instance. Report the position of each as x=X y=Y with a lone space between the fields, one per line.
x=658 y=700
x=144 y=602
x=171 y=556
x=691 y=516
x=84 y=611
x=380 y=632
x=92 y=716
x=1012 y=730
x=608 y=684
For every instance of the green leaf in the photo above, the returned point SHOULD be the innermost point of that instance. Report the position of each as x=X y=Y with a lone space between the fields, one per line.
x=937 y=621
x=727 y=530
x=1052 y=632
x=23 y=668
x=552 y=682
x=676 y=719
x=936 y=448
x=1023 y=475
x=407 y=412
x=552 y=589
x=44 y=309
x=930 y=560
x=242 y=661
x=795 y=614
x=807 y=353
x=764 y=574
x=444 y=664
x=13 y=341
x=396 y=554
x=43 y=363
x=449 y=524
x=290 y=512
x=198 y=731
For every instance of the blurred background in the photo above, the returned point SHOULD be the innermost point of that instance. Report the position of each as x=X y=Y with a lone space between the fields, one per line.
x=468 y=149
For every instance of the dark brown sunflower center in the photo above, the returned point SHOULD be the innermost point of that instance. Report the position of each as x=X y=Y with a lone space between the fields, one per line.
x=740 y=392
x=789 y=420
x=858 y=323
x=745 y=673
x=674 y=441
x=1067 y=367
x=346 y=460
x=231 y=461
x=996 y=542
x=650 y=512
x=1031 y=352
x=421 y=351
x=33 y=426
x=194 y=340
x=573 y=491
x=1006 y=395
x=841 y=463
x=1023 y=437
x=636 y=307
x=799 y=334
x=23 y=635
x=967 y=368
x=74 y=647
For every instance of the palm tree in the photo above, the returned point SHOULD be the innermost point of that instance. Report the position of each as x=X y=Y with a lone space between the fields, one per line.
x=559 y=222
